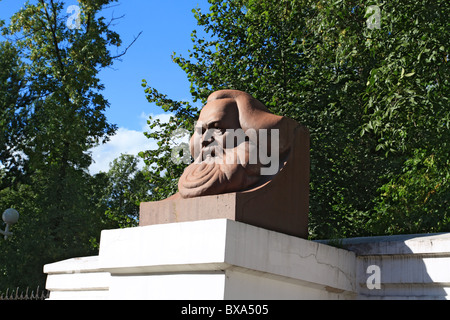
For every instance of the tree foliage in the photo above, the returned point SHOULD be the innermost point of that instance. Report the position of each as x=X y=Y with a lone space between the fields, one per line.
x=13 y=109
x=164 y=173
x=375 y=101
x=53 y=113
x=126 y=188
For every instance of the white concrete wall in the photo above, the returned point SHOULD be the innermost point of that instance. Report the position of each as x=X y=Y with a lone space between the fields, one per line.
x=77 y=278
x=224 y=259
x=210 y=259
x=172 y=286
x=409 y=266
x=243 y=285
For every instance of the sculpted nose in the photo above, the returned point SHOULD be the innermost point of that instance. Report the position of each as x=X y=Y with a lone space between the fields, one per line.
x=207 y=142
x=207 y=139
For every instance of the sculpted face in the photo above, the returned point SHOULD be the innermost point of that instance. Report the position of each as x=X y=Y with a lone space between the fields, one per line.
x=219 y=166
x=210 y=136
x=223 y=145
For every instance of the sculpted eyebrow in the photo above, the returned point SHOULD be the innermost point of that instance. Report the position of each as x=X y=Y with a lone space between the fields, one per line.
x=212 y=123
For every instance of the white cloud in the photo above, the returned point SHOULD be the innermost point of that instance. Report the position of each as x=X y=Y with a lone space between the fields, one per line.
x=124 y=141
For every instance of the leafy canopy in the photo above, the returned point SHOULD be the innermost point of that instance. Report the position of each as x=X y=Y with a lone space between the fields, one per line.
x=375 y=101
x=53 y=112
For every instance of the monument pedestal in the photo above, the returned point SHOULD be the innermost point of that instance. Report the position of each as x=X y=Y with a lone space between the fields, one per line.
x=208 y=259
x=225 y=259
x=280 y=204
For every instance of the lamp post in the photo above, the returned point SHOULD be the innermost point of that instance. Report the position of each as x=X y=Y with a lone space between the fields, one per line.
x=10 y=216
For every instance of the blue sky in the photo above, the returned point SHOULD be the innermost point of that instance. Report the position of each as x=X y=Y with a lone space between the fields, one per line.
x=166 y=28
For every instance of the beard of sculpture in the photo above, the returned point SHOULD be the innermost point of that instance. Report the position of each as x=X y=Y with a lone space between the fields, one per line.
x=222 y=165
x=201 y=179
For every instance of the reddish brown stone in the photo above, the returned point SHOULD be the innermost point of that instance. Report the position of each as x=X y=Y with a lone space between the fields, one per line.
x=279 y=202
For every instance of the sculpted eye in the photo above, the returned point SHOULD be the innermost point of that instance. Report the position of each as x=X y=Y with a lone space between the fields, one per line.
x=217 y=128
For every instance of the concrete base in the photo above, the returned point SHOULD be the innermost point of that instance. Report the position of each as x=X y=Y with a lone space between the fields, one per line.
x=409 y=266
x=224 y=259
x=210 y=259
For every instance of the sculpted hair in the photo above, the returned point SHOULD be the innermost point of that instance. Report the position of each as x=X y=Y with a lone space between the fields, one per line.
x=254 y=115
x=261 y=128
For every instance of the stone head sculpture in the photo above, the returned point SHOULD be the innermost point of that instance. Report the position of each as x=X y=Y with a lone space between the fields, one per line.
x=237 y=144
x=249 y=166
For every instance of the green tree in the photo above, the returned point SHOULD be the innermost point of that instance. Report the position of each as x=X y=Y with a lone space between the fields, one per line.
x=42 y=237
x=373 y=99
x=13 y=109
x=126 y=188
x=64 y=118
x=163 y=173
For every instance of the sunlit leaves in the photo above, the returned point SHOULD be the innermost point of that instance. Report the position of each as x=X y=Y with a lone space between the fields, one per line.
x=58 y=102
x=371 y=97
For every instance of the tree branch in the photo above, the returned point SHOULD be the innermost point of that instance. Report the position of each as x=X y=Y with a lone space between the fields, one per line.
x=129 y=46
x=52 y=25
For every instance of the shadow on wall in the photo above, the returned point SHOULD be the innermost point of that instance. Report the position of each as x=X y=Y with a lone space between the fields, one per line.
x=403 y=266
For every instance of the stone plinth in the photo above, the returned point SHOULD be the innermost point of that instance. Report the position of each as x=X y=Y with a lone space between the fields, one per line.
x=210 y=259
x=280 y=204
x=224 y=259
x=77 y=279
